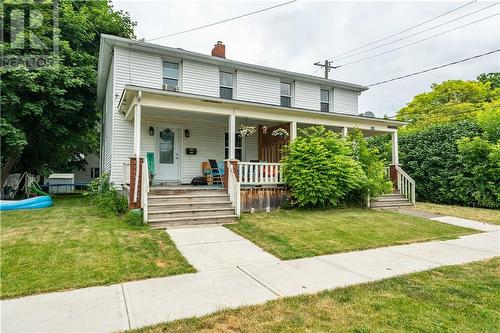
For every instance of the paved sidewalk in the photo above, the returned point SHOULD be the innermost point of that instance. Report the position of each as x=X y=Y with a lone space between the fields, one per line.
x=232 y=272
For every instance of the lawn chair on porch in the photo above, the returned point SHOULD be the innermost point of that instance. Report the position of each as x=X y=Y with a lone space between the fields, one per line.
x=216 y=171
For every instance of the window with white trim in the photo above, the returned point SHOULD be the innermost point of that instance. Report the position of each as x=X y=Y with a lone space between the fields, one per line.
x=226 y=85
x=171 y=75
x=238 y=146
x=325 y=100
x=286 y=94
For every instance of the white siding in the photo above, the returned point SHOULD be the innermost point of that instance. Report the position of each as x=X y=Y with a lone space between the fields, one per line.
x=108 y=124
x=199 y=78
x=307 y=95
x=206 y=136
x=257 y=88
x=345 y=101
x=145 y=70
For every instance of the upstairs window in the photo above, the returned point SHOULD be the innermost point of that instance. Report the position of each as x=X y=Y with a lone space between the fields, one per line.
x=171 y=75
x=286 y=94
x=325 y=100
x=226 y=85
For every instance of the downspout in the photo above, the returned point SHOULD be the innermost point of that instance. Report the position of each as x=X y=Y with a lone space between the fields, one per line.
x=137 y=128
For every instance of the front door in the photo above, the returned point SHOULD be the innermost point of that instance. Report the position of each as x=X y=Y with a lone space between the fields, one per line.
x=168 y=155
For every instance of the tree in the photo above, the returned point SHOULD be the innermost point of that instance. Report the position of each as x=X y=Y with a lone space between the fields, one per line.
x=449 y=101
x=493 y=78
x=49 y=115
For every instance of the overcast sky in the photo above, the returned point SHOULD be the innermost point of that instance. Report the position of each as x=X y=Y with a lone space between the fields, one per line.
x=294 y=36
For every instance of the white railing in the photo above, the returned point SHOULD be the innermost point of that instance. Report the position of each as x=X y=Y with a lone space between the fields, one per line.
x=126 y=173
x=233 y=189
x=258 y=173
x=406 y=184
x=145 y=190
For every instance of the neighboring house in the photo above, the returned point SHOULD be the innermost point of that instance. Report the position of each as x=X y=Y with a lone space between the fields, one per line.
x=90 y=171
x=184 y=108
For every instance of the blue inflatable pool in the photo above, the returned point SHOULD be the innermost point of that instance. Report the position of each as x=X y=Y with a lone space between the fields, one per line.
x=31 y=203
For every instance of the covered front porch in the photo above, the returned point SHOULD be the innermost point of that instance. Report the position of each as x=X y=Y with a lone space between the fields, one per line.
x=176 y=135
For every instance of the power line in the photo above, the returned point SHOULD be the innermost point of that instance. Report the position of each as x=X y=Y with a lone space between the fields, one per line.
x=418 y=41
x=219 y=22
x=418 y=33
x=433 y=68
x=410 y=28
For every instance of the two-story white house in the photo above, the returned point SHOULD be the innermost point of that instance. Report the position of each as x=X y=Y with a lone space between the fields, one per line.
x=178 y=109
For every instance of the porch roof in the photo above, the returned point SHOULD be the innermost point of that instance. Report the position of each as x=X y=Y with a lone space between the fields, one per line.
x=160 y=98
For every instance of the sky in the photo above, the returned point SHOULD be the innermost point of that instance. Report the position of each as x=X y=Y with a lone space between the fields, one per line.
x=294 y=36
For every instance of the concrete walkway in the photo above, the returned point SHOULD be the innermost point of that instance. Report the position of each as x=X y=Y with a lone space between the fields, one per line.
x=232 y=272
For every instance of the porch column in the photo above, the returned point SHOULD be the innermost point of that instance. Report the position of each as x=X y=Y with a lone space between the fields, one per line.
x=293 y=130
x=137 y=143
x=395 y=149
x=232 y=136
x=344 y=132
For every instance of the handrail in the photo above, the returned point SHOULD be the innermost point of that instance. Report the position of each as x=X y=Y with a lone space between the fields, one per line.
x=405 y=184
x=233 y=189
x=260 y=173
x=145 y=190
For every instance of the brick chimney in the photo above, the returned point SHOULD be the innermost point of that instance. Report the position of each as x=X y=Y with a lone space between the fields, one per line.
x=219 y=50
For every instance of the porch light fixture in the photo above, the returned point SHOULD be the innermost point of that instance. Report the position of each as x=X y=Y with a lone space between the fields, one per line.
x=151 y=131
x=186 y=133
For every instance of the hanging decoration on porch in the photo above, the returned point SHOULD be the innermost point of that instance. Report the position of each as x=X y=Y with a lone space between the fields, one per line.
x=264 y=129
x=280 y=132
x=247 y=130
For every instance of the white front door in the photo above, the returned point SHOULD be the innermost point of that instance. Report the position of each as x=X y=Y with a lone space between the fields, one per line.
x=168 y=143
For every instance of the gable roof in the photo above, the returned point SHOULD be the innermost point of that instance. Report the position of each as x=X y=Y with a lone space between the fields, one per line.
x=108 y=42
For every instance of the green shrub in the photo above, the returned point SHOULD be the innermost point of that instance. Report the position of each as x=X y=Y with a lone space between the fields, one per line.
x=377 y=182
x=320 y=170
x=104 y=196
x=134 y=217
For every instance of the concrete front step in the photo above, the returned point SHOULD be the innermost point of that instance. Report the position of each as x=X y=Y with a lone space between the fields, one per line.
x=160 y=223
x=391 y=204
x=391 y=198
x=194 y=213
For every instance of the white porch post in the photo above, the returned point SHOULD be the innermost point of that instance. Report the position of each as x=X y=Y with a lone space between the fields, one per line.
x=232 y=136
x=293 y=130
x=137 y=144
x=344 y=132
x=395 y=149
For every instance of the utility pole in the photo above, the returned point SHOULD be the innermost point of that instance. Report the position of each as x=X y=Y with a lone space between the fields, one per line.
x=327 y=65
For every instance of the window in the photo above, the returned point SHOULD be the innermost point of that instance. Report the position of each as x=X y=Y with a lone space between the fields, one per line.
x=286 y=94
x=171 y=75
x=167 y=146
x=94 y=173
x=325 y=100
x=237 y=152
x=226 y=85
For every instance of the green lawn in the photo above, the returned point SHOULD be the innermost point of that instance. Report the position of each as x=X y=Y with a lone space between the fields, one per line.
x=290 y=234
x=472 y=213
x=449 y=299
x=71 y=245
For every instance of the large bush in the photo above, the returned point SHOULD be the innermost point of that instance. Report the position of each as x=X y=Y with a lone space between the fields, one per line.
x=450 y=169
x=324 y=170
x=377 y=182
x=104 y=196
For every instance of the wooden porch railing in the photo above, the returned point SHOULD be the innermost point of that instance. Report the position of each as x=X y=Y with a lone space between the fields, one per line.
x=405 y=184
x=259 y=173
